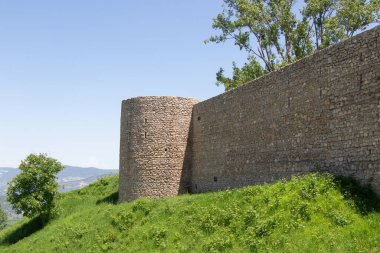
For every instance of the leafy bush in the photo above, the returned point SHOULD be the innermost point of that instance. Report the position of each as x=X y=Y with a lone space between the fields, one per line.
x=158 y=235
x=3 y=218
x=219 y=243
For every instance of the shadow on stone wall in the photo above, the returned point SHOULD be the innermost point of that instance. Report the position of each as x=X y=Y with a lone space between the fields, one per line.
x=352 y=174
x=363 y=196
x=185 y=183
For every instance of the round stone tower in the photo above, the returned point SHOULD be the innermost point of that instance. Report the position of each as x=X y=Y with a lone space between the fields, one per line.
x=155 y=152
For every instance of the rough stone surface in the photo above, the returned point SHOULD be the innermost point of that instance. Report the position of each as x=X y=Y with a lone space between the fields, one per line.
x=154 y=152
x=321 y=113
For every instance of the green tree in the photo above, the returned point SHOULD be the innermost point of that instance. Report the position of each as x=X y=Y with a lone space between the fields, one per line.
x=265 y=29
x=249 y=71
x=319 y=12
x=3 y=218
x=33 y=192
x=355 y=15
x=272 y=36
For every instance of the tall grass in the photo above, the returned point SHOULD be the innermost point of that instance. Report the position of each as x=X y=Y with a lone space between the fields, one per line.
x=312 y=213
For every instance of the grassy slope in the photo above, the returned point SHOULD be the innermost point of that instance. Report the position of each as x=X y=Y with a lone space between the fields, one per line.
x=307 y=214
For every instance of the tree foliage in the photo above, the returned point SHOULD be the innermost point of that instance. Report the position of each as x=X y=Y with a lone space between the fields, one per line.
x=251 y=70
x=273 y=34
x=3 y=218
x=34 y=190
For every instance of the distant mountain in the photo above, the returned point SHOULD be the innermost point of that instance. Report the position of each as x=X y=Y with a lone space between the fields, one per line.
x=6 y=174
x=70 y=178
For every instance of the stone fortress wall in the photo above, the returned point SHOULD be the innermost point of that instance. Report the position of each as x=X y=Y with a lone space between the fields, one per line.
x=154 y=153
x=321 y=113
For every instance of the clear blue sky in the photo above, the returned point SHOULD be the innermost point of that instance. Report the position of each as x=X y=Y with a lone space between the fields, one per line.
x=65 y=67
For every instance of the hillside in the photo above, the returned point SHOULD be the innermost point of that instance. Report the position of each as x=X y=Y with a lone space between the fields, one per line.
x=313 y=213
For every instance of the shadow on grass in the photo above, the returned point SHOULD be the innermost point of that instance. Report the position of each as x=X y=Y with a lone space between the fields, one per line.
x=110 y=199
x=364 y=198
x=25 y=230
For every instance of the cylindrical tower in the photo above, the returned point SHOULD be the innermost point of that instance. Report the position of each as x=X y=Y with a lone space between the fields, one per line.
x=155 y=149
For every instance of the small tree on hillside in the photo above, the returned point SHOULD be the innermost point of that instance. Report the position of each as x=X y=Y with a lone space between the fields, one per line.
x=3 y=218
x=33 y=191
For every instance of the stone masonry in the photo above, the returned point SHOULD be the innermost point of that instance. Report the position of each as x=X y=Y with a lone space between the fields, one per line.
x=321 y=113
x=154 y=152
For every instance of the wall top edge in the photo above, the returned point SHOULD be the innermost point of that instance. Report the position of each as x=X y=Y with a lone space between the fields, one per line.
x=159 y=98
x=322 y=52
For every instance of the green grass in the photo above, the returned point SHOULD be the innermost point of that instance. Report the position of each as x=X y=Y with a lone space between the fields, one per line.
x=313 y=213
